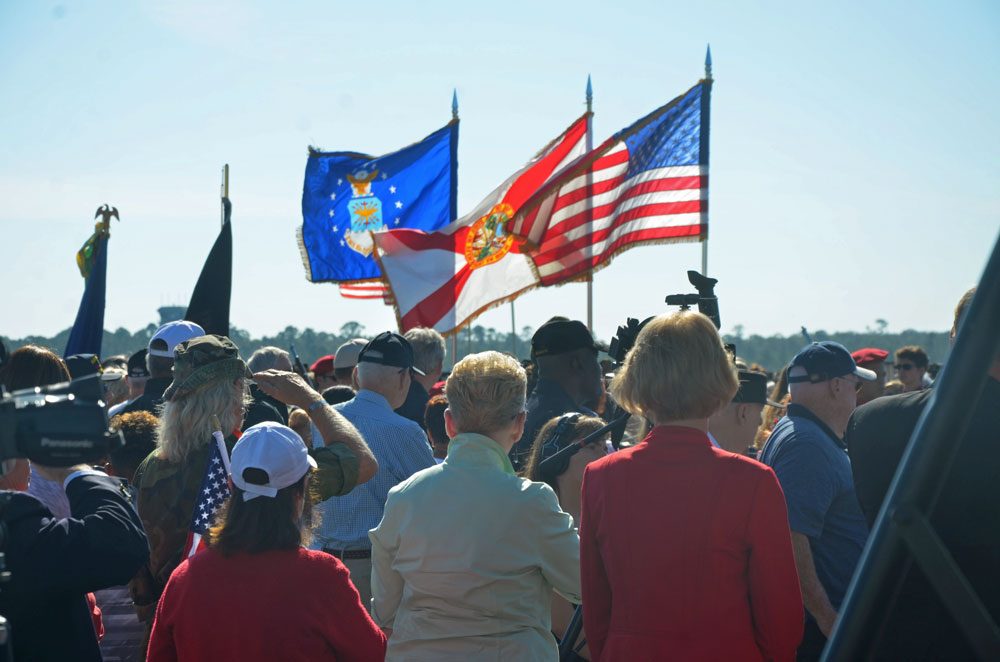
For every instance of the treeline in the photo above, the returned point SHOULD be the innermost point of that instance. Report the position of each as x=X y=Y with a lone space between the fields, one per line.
x=772 y=352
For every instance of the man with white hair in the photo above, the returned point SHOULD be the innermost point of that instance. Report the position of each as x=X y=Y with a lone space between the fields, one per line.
x=808 y=454
x=733 y=427
x=428 y=356
x=399 y=445
x=264 y=407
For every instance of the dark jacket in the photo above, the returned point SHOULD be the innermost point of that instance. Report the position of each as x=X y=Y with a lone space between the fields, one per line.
x=55 y=562
x=151 y=398
x=918 y=627
x=415 y=404
x=264 y=408
x=547 y=400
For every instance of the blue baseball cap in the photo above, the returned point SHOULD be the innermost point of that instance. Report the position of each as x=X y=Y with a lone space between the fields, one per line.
x=826 y=360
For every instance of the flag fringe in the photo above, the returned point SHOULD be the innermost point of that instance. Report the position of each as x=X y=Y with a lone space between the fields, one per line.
x=307 y=265
x=303 y=252
x=494 y=304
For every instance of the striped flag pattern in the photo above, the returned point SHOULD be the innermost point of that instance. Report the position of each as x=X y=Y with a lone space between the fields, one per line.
x=368 y=290
x=646 y=184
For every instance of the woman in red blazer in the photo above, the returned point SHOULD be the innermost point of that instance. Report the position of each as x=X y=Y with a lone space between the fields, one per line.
x=685 y=548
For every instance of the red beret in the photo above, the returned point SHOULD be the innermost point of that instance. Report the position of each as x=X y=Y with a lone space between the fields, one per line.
x=323 y=365
x=869 y=355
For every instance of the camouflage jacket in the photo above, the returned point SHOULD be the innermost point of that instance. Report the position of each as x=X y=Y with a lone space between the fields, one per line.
x=167 y=493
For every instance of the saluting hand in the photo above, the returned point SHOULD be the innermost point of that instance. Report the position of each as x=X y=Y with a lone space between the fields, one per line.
x=288 y=387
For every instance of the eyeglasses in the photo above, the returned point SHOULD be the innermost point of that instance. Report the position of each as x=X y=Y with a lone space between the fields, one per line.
x=900 y=367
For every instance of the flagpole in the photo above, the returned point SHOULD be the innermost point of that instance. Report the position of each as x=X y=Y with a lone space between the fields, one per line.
x=590 y=147
x=706 y=105
x=225 y=189
x=454 y=336
x=513 y=331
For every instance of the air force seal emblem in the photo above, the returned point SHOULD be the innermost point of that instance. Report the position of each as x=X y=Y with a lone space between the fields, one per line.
x=366 y=212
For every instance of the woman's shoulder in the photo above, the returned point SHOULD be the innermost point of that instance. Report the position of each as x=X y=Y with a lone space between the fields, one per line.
x=320 y=562
x=741 y=467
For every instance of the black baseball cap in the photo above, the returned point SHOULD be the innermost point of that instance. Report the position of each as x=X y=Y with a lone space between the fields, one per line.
x=826 y=360
x=388 y=348
x=83 y=365
x=559 y=336
x=137 y=365
x=753 y=389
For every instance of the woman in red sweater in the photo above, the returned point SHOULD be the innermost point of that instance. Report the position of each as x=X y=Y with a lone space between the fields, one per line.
x=256 y=593
x=685 y=548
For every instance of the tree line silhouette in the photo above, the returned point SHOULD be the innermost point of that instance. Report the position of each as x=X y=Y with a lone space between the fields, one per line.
x=772 y=352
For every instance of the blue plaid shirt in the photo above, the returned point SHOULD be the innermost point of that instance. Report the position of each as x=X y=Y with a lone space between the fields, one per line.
x=401 y=448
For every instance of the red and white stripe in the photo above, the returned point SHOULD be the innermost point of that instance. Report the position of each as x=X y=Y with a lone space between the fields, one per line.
x=370 y=290
x=598 y=213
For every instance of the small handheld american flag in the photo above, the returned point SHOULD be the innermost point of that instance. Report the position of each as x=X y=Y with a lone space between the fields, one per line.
x=213 y=493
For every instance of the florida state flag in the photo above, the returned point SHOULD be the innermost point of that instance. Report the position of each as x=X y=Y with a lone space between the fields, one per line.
x=444 y=279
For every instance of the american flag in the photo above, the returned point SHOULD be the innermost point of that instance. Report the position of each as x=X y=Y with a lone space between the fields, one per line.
x=366 y=290
x=214 y=492
x=646 y=184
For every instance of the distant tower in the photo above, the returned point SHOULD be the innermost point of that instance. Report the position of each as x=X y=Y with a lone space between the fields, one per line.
x=171 y=314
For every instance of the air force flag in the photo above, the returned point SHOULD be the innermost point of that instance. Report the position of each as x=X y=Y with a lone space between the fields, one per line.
x=347 y=195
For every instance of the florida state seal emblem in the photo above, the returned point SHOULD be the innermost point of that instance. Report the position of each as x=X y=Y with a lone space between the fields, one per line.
x=488 y=241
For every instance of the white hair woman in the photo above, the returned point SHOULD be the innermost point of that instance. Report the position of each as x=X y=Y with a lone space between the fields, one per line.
x=467 y=553
x=691 y=540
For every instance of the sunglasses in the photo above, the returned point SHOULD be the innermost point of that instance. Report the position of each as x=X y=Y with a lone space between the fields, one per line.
x=904 y=366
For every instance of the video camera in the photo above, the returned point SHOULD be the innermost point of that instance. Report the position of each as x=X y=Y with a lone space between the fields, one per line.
x=704 y=298
x=58 y=426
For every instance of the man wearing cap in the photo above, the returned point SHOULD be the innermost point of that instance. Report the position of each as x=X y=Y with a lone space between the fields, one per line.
x=871 y=358
x=322 y=372
x=569 y=378
x=734 y=427
x=136 y=376
x=160 y=363
x=807 y=453
x=345 y=360
x=399 y=445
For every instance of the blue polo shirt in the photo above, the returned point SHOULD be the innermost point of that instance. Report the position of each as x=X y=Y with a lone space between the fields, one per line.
x=812 y=466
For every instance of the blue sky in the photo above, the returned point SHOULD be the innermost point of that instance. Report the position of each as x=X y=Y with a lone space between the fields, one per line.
x=854 y=155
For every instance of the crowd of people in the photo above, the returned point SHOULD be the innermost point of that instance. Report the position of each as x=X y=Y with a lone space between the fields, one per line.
x=371 y=506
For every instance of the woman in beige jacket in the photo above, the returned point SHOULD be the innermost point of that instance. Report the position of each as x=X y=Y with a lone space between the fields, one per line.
x=467 y=554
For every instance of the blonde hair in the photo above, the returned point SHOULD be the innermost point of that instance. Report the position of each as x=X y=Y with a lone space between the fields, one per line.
x=486 y=392
x=678 y=369
x=186 y=423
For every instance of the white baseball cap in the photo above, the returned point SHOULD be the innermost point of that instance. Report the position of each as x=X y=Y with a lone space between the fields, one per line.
x=347 y=354
x=174 y=333
x=275 y=449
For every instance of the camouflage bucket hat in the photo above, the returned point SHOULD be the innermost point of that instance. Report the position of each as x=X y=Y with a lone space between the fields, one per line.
x=202 y=361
